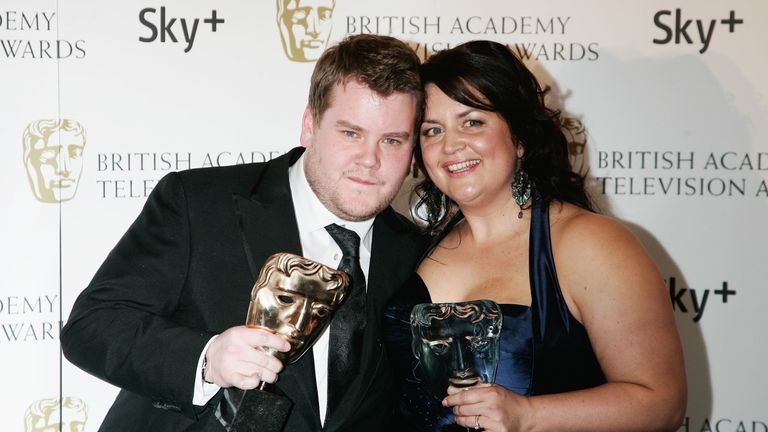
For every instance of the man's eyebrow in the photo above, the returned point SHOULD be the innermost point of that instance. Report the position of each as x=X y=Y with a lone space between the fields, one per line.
x=403 y=135
x=348 y=125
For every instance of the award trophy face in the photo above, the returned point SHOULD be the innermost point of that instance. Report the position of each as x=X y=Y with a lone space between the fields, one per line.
x=456 y=343
x=293 y=297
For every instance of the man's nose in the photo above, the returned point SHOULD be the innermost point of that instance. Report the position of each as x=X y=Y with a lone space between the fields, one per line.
x=368 y=155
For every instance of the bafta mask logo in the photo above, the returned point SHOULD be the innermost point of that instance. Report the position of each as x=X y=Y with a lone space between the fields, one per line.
x=305 y=26
x=53 y=158
x=295 y=297
x=456 y=343
x=576 y=135
x=56 y=415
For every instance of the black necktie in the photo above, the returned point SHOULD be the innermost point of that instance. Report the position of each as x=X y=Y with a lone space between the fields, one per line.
x=347 y=327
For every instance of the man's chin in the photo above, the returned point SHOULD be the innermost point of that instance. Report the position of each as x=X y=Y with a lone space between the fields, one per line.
x=356 y=212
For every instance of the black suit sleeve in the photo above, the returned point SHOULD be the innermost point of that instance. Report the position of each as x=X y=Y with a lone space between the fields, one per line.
x=123 y=327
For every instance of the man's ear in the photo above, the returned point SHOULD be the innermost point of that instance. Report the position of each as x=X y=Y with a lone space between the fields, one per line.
x=307 y=127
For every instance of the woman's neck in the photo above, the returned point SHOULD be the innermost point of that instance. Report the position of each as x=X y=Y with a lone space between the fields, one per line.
x=495 y=221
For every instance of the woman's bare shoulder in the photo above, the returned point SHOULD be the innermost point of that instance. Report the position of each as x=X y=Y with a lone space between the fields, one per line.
x=578 y=231
x=597 y=255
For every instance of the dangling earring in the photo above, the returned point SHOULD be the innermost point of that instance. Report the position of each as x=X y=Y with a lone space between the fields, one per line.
x=521 y=187
x=443 y=204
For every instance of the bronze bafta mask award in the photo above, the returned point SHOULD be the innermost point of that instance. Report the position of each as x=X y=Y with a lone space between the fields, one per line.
x=456 y=343
x=293 y=297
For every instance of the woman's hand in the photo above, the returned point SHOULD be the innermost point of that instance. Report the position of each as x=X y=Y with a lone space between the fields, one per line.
x=492 y=407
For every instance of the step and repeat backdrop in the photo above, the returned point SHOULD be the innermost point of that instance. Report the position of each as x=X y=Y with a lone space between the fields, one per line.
x=99 y=100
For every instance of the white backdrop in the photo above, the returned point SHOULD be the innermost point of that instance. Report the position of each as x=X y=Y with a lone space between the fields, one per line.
x=673 y=96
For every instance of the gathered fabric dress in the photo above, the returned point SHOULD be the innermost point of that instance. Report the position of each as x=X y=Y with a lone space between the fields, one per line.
x=543 y=348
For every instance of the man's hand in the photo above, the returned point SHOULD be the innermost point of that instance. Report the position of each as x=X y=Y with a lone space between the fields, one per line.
x=236 y=359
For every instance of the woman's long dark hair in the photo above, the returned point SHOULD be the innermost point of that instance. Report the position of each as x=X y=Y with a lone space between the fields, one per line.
x=487 y=75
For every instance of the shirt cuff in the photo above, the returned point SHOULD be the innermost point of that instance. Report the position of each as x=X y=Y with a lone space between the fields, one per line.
x=203 y=390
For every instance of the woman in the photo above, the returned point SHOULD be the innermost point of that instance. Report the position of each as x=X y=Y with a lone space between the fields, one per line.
x=588 y=337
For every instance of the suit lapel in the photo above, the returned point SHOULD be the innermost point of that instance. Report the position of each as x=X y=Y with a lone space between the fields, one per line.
x=266 y=218
x=267 y=224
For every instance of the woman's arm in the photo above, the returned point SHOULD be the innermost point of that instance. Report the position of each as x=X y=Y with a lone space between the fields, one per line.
x=613 y=287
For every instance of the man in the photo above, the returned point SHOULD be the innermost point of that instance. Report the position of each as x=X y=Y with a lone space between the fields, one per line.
x=53 y=158
x=305 y=26
x=184 y=270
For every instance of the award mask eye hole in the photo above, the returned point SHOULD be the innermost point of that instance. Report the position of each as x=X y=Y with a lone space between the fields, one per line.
x=75 y=151
x=285 y=299
x=48 y=155
x=321 y=311
x=478 y=343
x=298 y=16
x=440 y=347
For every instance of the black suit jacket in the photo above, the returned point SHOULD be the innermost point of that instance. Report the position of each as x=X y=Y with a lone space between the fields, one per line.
x=184 y=271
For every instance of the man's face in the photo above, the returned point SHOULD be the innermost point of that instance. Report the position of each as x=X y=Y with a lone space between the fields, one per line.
x=305 y=26
x=359 y=152
x=55 y=165
x=72 y=421
x=456 y=349
x=296 y=306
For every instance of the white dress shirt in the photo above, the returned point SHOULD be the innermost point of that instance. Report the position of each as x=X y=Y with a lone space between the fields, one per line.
x=316 y=244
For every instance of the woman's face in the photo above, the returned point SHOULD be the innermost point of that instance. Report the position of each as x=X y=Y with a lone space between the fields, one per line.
x=468 y=153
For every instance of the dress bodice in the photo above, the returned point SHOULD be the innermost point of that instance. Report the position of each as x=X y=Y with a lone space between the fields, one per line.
x=543 y=348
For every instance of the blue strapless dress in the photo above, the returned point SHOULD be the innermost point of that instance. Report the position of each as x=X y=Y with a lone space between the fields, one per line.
x=543 y=348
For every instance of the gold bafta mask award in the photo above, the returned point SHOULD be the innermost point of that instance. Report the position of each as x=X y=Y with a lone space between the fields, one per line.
x=293 y=297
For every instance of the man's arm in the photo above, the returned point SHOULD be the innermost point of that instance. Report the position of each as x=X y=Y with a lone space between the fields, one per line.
x=122 y=327
x=119 y=329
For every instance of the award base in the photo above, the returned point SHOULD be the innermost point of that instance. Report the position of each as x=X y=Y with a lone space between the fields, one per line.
x=261 y=411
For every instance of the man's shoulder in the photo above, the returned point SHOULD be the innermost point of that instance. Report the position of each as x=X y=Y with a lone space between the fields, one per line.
x=221 y=173
x=244 y=175
x=400 y=225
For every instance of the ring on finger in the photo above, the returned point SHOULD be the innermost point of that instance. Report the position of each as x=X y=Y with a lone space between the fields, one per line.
x=477 y=422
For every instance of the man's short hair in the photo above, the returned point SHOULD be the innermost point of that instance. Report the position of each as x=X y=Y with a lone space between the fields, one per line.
x=384 y=64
